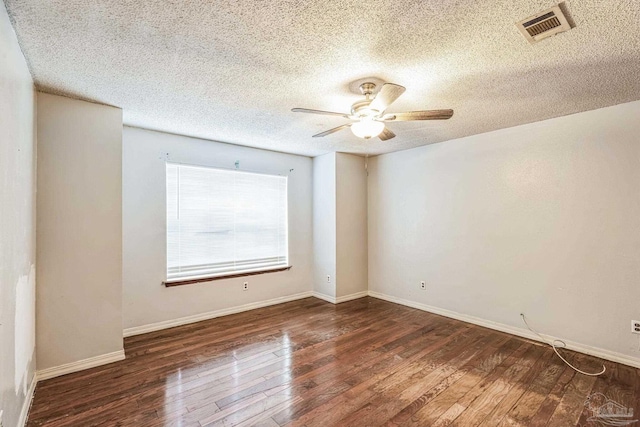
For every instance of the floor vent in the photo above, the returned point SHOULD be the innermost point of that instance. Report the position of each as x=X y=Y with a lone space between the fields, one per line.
x=544 y=24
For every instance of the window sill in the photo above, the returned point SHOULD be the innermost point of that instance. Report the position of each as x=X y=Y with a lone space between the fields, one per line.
x=187 y=281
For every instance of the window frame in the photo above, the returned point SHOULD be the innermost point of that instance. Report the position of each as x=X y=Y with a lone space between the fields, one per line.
x=177 y=281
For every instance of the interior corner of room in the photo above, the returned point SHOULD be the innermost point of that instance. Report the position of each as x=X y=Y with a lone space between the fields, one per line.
x=540 y=218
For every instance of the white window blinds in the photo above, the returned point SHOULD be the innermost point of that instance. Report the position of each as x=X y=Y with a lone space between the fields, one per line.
x=224 y=221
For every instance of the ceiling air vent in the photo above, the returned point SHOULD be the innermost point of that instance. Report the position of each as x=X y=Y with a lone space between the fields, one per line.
x=544 y=24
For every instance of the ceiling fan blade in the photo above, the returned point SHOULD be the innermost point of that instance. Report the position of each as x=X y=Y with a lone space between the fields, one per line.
x=330 y=131
x=388 y=93
x=386 y=134
x=418 y=115
x=326 y=113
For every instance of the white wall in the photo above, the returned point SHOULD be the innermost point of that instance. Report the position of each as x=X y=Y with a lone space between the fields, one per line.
x=542 y=219
x=79 y=237
x=324 y=224
x=146 y=301
x=17 y=225
x=351 y=224
x=339 y=225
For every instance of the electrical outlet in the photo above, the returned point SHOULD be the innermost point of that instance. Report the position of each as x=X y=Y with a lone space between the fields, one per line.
x=245 y=286
x=635 y=326
x=423 y=285
x=328 y=279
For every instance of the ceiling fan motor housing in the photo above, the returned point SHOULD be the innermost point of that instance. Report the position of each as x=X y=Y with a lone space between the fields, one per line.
x=367 y=88
x=361 y=109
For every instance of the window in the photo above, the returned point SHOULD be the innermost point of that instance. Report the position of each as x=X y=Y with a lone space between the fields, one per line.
x=222 y=222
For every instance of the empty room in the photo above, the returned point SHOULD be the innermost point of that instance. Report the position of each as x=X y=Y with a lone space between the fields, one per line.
x=336 y=213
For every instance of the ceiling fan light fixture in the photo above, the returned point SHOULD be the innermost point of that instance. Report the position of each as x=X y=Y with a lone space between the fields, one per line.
x=368 y=115
x=367 y=128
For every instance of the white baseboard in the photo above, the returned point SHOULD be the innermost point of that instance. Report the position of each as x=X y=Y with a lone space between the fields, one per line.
x=338 y=300
x=80 y=365
x=350 y=297
x=581 y=348
x=138 y=330
x=24 y=413
x=324 y=297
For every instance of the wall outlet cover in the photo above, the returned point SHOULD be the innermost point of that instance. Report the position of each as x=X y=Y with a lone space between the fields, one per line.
x=635 y=326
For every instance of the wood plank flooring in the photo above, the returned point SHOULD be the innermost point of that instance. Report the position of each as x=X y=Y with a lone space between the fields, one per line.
x=366 y=362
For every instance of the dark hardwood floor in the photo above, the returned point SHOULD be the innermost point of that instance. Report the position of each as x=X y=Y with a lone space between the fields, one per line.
x=309 y=363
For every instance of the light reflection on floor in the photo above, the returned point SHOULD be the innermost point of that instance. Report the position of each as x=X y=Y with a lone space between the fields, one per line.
x=206 y=392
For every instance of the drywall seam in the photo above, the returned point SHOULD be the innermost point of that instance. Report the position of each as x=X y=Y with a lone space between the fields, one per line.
x=138 y=330
x=581 y=348
x=24 y=413
x=80 y=365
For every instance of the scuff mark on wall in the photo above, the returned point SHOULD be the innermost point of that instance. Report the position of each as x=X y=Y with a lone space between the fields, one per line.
x=25 y=328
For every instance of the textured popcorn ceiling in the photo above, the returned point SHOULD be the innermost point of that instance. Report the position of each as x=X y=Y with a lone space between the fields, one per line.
x=232 y=70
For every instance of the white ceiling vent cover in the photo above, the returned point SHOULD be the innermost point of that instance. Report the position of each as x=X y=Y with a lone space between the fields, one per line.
x=544 y=24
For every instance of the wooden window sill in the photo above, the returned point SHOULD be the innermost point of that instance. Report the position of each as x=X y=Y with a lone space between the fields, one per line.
x=178 y=282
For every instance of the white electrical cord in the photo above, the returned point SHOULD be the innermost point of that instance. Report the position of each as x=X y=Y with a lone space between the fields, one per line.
x=561 y=344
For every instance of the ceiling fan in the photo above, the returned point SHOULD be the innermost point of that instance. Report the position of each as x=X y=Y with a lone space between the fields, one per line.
x=369 y=115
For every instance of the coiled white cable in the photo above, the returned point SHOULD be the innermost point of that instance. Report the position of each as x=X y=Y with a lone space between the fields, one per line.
x=561 y=344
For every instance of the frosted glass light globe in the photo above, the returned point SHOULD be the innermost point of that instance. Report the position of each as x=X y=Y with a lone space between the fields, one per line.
x=367 y=128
